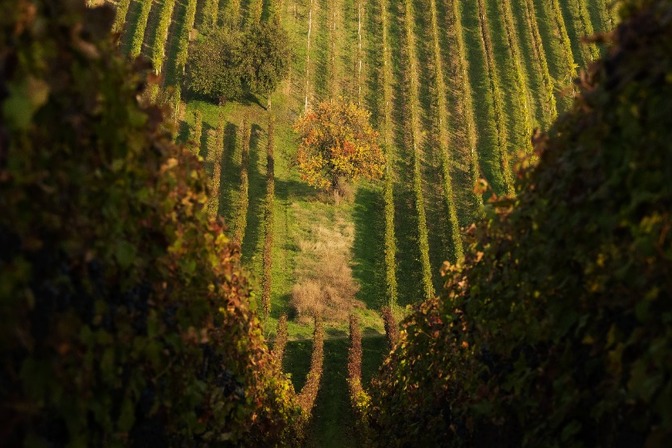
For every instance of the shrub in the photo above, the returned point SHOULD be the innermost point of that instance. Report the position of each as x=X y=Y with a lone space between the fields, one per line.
x=308 y=393
x=227 y=64
x=138 y=37
x=391 y=326
x=359 y=399
x=280 y=340
x=159 y=45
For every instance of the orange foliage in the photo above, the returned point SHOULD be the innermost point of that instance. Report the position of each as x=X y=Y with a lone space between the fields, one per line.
x=337 y=142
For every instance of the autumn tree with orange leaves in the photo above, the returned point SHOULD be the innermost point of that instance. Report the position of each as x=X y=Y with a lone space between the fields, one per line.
x=337 y=144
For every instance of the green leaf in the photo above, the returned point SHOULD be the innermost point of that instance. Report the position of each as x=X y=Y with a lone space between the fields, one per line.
x=125 y=253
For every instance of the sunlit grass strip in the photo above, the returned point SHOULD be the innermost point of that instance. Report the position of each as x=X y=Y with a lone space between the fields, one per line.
x=444 y=141
x=459 y=64
x=196 y=132
x=231 y=16
x=183 y=40
x=390 y=241
x=214 y=156
x=602 y=21
x=310 y=29
x=139 y=32
x=333 y=83
x=561 y=31
x=159 y=45
x=583 y=27
x=209 y=14
x=308 y=394
x=120 y=15
x=244 y=198
x=360 y=52
x=608 y=13
x=547 y=97
x=267 y=276
x=497 y=100
x=254 y=10
x=523 y=103
x=414 y=122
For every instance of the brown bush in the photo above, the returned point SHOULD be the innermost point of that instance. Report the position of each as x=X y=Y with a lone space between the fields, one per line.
x=280 y=340
x=391 y=326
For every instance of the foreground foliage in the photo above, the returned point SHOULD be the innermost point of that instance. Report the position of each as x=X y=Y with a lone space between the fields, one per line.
x=126 y=317
x=556 y=332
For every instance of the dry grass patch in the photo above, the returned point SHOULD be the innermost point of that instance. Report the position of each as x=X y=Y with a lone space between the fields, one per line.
x=325 y=286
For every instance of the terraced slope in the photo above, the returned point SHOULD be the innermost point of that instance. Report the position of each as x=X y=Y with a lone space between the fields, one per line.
x=455 y=89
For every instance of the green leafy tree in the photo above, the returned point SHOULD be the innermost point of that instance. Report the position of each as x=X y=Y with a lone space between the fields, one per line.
x=214 y=68
x=337 y=143
x=265 y=57
x=228 y=65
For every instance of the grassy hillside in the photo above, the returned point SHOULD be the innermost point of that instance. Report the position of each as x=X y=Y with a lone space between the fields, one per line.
x=454 y=87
